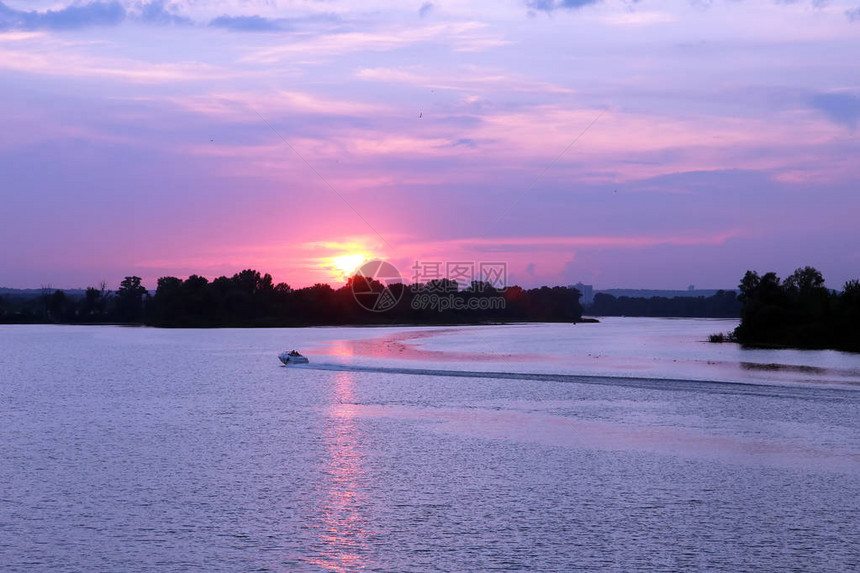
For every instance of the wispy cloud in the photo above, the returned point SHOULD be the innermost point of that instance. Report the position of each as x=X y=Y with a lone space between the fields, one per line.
x=238 y=106
x=516 y=244
x=626 y=145
x=158 y=12
x=464 y=79
x=552 y=5
x=71 y=17
x=249 y=24
x=51 y=58
x=459 y=36
x=639 y=18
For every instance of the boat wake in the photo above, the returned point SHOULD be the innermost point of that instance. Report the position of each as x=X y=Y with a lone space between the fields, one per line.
x=837 y=390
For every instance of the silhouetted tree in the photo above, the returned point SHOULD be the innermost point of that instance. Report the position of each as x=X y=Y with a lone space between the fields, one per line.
x=129 y=299
x=799 y=312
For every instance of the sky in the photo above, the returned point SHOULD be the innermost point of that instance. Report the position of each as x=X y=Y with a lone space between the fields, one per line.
x=624 y=144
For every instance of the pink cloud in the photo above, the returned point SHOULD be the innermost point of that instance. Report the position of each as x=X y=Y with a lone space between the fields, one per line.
x=471 y=79
x=462 y=36
x=57 y=63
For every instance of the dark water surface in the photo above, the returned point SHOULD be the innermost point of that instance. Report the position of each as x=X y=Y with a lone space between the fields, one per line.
x=127 y=449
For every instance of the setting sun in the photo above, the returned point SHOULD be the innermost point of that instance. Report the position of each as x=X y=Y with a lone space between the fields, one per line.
x=346 y=264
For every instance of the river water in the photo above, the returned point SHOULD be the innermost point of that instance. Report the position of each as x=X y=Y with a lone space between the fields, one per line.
x=626 y=445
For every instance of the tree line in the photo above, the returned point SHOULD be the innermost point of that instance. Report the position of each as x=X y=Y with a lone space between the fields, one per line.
x=250 y=298
x=798 y=312
x=97 y=305
x=723 y=304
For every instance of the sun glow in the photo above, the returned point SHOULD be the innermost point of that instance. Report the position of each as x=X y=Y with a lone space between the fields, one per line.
x=346 y=264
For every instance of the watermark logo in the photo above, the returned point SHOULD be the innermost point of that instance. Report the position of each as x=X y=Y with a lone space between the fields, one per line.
x=443 y=302
x=377 y=286
x=450 y=276
x=436 y=285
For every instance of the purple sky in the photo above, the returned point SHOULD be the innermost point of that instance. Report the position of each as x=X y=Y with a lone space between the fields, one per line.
x=724 y=137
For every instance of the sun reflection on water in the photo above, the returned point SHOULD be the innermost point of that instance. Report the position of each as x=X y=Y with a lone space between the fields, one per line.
x=343 y=528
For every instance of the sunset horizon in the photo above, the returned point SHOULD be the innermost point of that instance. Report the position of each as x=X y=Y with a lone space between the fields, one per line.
x=628 y=145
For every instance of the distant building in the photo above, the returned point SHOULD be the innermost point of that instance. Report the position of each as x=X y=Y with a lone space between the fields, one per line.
x=587 y=292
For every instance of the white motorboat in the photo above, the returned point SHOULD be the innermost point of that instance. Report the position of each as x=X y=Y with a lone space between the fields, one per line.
x=292 y=357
